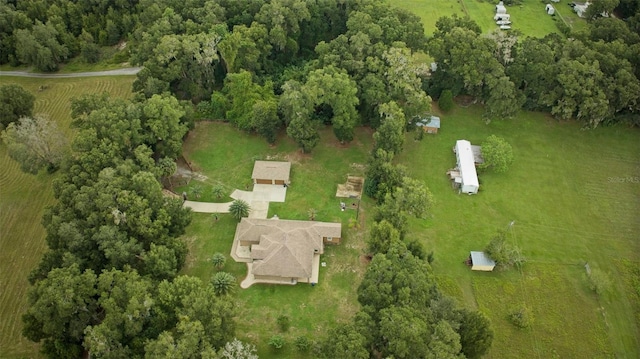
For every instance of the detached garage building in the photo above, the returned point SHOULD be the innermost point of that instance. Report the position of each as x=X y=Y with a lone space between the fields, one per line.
x=480 y=261
x=271 y=172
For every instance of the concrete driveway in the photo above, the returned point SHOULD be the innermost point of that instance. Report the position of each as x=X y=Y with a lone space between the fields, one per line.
x=258 y=200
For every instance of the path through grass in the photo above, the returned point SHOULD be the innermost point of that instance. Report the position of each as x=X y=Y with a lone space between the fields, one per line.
x=22 y=201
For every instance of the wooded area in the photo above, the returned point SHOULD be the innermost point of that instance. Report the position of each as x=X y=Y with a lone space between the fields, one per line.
x=114 y=253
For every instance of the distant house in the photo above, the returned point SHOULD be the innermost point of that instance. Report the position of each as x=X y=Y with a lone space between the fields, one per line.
x=468 y=178
x=500 y=8
x=481 y=262
x=430 y=124
x=502 y=17
x=271 y=172
x=284 y=251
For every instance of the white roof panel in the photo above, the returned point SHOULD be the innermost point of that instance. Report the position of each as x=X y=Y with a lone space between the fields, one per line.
x=466 y=163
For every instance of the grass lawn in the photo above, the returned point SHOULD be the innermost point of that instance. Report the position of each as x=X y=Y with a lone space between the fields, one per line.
x=430 y=10
x=23 y=198
x=226 y=156
x=574 y=196
x=529 y=17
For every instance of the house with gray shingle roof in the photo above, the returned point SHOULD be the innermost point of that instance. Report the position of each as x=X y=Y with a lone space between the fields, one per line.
x=284 y=251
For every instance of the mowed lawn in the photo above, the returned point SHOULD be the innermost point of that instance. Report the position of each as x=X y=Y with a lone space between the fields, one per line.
x=574 y=197
x=530 y=17
x=23 y=198
x=226 y=156
x=430 y=10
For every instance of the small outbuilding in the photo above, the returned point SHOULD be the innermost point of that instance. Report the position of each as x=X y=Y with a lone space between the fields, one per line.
x=271 y=172
x=466 y=166
x=500 y=8
x=430 y=124
x=550 y=9
x=481 y=262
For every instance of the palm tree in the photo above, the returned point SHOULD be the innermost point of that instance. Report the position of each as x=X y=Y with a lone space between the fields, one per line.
x=196 y=190
x=218 y=259
x=217 y=191
x=239 y=209
x=312 y=214
x=223 y=283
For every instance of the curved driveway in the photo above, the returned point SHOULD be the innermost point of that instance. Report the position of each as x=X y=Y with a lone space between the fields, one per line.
x=128 y=71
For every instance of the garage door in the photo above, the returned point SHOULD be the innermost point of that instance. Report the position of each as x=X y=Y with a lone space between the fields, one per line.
x=263 y=181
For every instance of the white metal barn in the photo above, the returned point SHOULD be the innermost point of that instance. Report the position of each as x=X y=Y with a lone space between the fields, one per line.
x=467 y=167
x=480 y=261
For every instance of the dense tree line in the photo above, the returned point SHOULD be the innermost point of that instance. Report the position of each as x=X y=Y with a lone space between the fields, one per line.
x=109 y=283
x=263 y=65
x=403 y=314
x=592 y=75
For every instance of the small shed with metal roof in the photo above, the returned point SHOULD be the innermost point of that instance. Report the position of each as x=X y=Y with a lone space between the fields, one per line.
x=480 y=261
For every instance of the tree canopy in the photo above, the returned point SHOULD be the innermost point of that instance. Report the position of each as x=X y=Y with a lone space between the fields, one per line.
x=15 y=102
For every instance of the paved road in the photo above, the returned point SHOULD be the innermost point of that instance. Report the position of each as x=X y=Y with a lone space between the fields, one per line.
x=128 y=71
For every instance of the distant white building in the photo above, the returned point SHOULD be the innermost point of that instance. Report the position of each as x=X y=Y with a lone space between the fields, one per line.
x=502 y=17
x=581 y=8
x=468 y=179
x=549 y=9
x=500 y=9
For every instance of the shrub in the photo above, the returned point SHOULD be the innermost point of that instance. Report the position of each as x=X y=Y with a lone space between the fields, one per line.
x=277 y=342
x=521 y=318
x=445 y=102
x=283 y=323
x=599 y=281
x=504 y=254
x=302 y=343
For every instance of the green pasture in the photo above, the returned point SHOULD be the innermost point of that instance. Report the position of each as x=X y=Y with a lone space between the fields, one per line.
x=529 y=17
x=23 y=198
x=574 y=197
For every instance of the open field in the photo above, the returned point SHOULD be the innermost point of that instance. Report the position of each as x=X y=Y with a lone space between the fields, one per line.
x=22 y=201
x=226 y=156
x=574 y=196
x=529 y=18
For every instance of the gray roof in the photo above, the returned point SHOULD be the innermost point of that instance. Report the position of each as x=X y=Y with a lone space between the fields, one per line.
x=431 y=121
x=285 y=248
x=481 y=259
x=272 y=170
